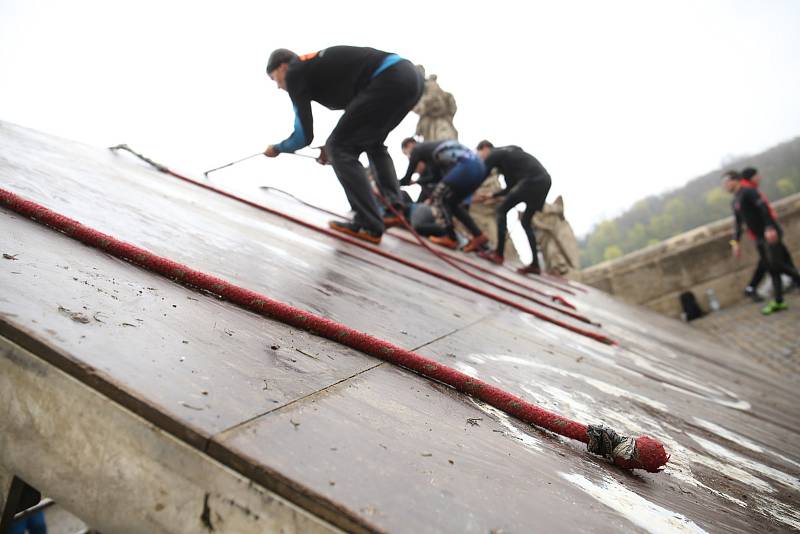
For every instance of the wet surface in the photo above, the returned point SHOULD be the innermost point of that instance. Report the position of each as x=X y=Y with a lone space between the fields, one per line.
x=324 y=424
x=238 y=243
x=773 y=341
x=198 y=361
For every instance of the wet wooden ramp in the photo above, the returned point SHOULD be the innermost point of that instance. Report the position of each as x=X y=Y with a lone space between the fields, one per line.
x=341 y=439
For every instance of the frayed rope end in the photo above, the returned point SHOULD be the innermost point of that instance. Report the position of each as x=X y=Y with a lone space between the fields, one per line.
x=649 y=454
x=643 y=452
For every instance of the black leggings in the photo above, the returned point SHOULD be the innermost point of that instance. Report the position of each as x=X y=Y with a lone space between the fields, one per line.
x=364 y=126
x=779 y=263
x=763 y=268
x=533 y=192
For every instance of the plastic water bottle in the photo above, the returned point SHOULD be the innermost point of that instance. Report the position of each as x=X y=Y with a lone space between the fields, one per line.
x=713 y=303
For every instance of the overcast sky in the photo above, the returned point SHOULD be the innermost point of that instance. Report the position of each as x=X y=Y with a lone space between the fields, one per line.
x=617 y=99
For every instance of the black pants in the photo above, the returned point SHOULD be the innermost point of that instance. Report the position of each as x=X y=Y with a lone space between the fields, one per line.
x=533 y=192
x=364 y=126
x=448 y=199
x=762 y=268
x=778 y=263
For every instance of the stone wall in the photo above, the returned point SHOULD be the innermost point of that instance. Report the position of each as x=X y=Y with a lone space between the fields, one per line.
x=694 y=261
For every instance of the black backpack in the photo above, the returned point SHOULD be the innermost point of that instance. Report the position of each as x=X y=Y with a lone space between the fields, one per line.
x=690 y=306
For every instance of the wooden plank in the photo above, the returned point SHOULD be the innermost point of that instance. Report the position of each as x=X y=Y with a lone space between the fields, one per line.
x=186 y=360
x=647 y=332
x=507 y=350
x=730 y=435
x=115 y=470
x=413 y=456
x=728 y=453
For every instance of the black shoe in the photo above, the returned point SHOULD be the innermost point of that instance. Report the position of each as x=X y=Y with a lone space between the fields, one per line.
x=357 y=231
x=751 y=293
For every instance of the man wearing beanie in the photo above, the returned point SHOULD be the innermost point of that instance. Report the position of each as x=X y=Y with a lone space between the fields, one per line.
x=751 y=208
x=376 y=90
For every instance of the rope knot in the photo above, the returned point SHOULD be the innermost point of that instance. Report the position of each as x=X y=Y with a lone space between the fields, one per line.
x=627 y=452
x=604 y=442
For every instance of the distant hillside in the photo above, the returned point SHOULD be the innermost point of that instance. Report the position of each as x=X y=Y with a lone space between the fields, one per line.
x=699 y=202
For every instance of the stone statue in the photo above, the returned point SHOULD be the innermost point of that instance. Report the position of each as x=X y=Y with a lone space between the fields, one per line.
x=556 y=240
x=436 y=110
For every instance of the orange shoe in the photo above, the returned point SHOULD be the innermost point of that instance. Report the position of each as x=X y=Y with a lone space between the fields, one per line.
x=356 y=230
x=491 y=255
x=392 y=220
x=445 y=241
x=476 y=243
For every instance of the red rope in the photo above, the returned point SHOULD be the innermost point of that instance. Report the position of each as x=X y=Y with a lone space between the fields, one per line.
x=649 y=453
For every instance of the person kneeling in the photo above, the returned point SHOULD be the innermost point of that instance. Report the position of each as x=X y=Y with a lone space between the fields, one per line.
x=462 y=172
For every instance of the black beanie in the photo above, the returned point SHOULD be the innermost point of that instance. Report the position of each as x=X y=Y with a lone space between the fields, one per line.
x=278 y=57
x=748 y=172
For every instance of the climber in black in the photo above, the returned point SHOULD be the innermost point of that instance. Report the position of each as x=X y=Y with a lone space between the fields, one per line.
x=377 y=90
x=526 y=181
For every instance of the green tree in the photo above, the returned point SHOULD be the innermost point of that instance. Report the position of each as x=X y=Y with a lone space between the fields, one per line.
x=717 y=198
x=612 y=252
x=786 y=187
x=636 y=237
x=676 y=212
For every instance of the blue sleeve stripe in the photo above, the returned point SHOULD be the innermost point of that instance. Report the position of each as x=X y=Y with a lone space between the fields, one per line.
x=297 y=140
x=387 y=62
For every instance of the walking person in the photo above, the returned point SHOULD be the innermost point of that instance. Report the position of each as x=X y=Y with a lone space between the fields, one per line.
x=750 y=208
x=750 y=177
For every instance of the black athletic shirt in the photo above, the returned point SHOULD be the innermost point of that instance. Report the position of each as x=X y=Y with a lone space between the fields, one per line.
x=514 y=164
x=749 y=207
x=439 y=157
x=331 y=77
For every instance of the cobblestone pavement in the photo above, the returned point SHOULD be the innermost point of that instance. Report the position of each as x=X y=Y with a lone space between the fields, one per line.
x=772 y=340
